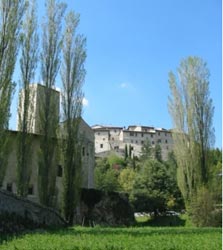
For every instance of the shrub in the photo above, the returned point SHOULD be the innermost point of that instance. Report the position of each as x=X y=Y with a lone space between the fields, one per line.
x=202 y=210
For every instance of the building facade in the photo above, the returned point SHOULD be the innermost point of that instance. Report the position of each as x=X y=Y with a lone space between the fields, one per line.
x=37 y=100
x=85 y=139
x=86 y=136
x=108 y=138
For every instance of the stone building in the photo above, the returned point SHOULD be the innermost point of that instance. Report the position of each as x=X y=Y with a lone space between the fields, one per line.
x=85 y=136
x=109 y=138
x=36 y=103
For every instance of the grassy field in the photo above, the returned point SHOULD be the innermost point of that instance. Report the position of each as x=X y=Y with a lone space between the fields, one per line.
x=98 y=238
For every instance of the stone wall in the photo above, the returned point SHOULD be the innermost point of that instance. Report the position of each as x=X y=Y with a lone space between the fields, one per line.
x=16 y=210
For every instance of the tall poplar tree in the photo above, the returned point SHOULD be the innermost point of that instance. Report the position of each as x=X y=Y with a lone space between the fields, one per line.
x=73 y=74
x=191 y=109
x=28 y=64
x=49 y=116
x=11 y=13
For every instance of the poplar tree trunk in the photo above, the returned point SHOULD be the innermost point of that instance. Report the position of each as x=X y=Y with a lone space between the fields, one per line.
x=28 y=63
x=73 y=74
x=49 y=110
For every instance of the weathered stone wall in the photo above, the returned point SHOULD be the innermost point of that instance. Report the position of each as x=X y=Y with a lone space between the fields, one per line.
x=26 y=210
x=86 y=135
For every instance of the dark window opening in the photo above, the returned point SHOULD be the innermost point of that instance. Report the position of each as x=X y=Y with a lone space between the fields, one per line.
x=9 y=187
x=59 y=171
x=101 y=146
x=30 y=190
x=83 y=151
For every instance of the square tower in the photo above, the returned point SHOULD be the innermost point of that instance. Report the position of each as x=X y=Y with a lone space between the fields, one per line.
x=37 y=100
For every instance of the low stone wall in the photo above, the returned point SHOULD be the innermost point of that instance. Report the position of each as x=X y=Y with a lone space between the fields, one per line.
x=15 y=210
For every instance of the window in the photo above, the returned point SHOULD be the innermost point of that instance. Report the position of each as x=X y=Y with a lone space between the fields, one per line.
x=59 y=171
x=159 y=141
x=158 y=133
x=9 y=187
x=152 y=142
x=142 y=142
x=142 y=134
x=136 y=142
x=151 y=136
x=83 y=151
x=98 y=133
x=166 y=141
x=101 y=145
x=131 y=133
x=30 y=190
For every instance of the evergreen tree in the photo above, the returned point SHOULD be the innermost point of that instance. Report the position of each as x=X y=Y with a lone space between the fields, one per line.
x=126 y=152
x=158 y=153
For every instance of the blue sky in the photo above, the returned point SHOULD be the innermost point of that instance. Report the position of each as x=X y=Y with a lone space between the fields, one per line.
x=131 y=47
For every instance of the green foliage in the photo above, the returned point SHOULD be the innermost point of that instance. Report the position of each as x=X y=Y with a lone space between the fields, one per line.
x=28 y=64
x=154 y=189
x=73 y=75
x=106 y=177
x=24 y=162
x=100 y=238
x=50 y=62
x=11 y=13
x=158 y=153
x=126 y=152
x=215 y=175
x=127 y=179
x=191 y=109
x=202 y=209
x=152 y=186
x=146 y=152
x=113 y=159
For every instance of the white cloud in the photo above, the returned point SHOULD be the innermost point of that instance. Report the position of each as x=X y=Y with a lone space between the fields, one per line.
x=85 y=102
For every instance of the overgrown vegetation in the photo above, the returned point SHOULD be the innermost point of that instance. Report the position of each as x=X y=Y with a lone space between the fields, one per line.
x=149 y=182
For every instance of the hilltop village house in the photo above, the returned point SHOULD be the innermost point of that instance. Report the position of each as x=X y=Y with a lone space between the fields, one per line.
x=86 y=135
x=108 y=138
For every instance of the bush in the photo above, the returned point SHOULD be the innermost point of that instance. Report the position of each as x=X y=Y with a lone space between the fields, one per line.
x=202 y=210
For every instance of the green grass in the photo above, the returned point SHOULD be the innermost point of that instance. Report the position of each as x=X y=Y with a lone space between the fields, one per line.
x=98 y=238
